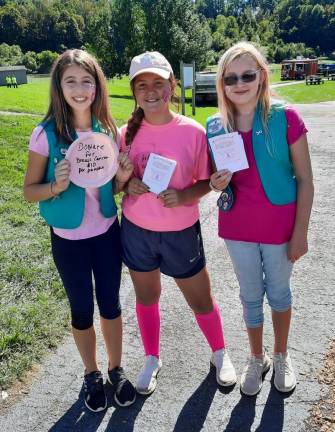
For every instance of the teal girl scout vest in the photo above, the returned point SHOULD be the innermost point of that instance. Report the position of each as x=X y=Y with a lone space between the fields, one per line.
x=271 y=153
x=67 y=210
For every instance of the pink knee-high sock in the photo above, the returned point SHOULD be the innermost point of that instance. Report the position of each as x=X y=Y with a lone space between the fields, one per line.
x=211 y=326
x=148 y=319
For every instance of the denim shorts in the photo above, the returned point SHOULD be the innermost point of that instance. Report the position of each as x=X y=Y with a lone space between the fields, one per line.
x=261 y=269
x=179 y=254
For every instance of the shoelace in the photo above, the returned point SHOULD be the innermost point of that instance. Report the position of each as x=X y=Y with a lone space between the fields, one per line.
x=119 y=377
x=283 y=365
x=93 y=384
x=253 y=366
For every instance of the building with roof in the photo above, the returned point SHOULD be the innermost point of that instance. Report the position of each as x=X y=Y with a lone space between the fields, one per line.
x=20 y=73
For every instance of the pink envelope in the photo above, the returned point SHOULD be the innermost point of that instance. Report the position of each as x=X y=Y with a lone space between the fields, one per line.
x=93 y=160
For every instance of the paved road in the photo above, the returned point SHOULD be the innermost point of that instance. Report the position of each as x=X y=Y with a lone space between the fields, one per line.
x=287 y=83
x=187 y=398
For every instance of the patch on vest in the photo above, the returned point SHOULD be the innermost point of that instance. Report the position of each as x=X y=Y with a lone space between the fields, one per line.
x=214 y=126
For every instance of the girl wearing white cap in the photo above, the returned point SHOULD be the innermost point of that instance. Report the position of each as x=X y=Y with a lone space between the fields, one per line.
x=161 y=231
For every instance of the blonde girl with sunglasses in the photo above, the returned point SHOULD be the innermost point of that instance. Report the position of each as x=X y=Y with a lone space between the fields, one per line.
x=265 y=218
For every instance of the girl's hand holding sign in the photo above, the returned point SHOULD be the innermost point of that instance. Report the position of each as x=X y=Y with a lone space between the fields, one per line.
x=62 y=175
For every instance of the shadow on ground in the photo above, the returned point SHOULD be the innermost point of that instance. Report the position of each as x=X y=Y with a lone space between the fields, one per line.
x=193 y=415
x=243 y=415
x=116 y=96
x=191 y=418
x=78 y=418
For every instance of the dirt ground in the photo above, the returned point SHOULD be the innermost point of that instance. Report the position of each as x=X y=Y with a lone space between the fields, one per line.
x=322 y=418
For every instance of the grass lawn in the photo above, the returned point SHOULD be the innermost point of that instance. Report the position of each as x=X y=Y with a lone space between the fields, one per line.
x=30 y=98
x=33 y=98
x=302 y=93
x=275 y=73
x=33 y=311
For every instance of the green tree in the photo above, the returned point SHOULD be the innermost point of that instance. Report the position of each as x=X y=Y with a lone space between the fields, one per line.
x=39 y=35
x=12 y=24
x=10 y=55
x=45 y=60
x=115 y=34
x=226 y=33
x=68 y=31
x=175 y=29
x=210 y=8
x=126 y=34
x=29 y=60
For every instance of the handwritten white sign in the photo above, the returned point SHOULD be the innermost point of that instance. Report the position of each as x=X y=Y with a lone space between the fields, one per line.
x=93 y=160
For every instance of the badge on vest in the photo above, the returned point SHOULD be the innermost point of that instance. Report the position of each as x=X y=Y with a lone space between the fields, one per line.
x=226 y=199
x=214 y=126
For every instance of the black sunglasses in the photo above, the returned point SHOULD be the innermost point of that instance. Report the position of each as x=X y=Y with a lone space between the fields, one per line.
x=246 y=77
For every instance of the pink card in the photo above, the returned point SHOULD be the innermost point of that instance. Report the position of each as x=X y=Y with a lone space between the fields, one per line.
x=93 y=160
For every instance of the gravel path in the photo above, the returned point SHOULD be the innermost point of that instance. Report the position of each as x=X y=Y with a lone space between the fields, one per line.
x=187 y=398
x=14 y=113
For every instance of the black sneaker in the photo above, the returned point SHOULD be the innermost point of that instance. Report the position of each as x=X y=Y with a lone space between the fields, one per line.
x=125 y=393
x=95 y=397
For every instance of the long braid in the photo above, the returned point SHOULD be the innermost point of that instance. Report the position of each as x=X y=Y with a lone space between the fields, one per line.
x=133 y=125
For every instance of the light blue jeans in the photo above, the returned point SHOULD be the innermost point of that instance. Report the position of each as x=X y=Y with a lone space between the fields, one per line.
x=261 y=268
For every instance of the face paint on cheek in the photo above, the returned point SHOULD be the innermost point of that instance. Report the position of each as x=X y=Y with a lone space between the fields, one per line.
x=166 y=95
x=92 y=96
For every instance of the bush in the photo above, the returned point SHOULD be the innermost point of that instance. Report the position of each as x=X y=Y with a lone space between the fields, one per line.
x=29 y=60
x=10 y=55
x=290 y=51
x=45 y=60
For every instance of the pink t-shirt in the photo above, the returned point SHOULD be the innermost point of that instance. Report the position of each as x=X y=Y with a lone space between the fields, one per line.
x=93 y=223
x=183 y=140
x=253 y=218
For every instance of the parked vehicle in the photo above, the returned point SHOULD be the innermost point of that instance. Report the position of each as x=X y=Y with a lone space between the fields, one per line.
x=326 y=68
x=298 y=69
x=205 y=88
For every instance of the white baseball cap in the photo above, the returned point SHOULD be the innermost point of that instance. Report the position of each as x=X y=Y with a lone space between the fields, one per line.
x=153 y=62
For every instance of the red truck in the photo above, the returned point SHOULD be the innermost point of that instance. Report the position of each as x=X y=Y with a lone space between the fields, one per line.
x=298 y=69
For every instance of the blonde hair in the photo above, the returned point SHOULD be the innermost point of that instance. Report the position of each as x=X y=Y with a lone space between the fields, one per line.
x=226 y=107
x=60 y=111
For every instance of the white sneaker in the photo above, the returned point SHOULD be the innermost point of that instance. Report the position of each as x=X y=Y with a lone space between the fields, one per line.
x=225 y=372
x=147 y=378
x=252 y=375
x=285 y=379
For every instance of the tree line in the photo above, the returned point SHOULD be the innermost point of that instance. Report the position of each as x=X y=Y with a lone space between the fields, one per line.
x=32 y=32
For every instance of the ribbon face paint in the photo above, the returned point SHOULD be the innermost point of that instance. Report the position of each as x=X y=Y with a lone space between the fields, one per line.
x=166 y=95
